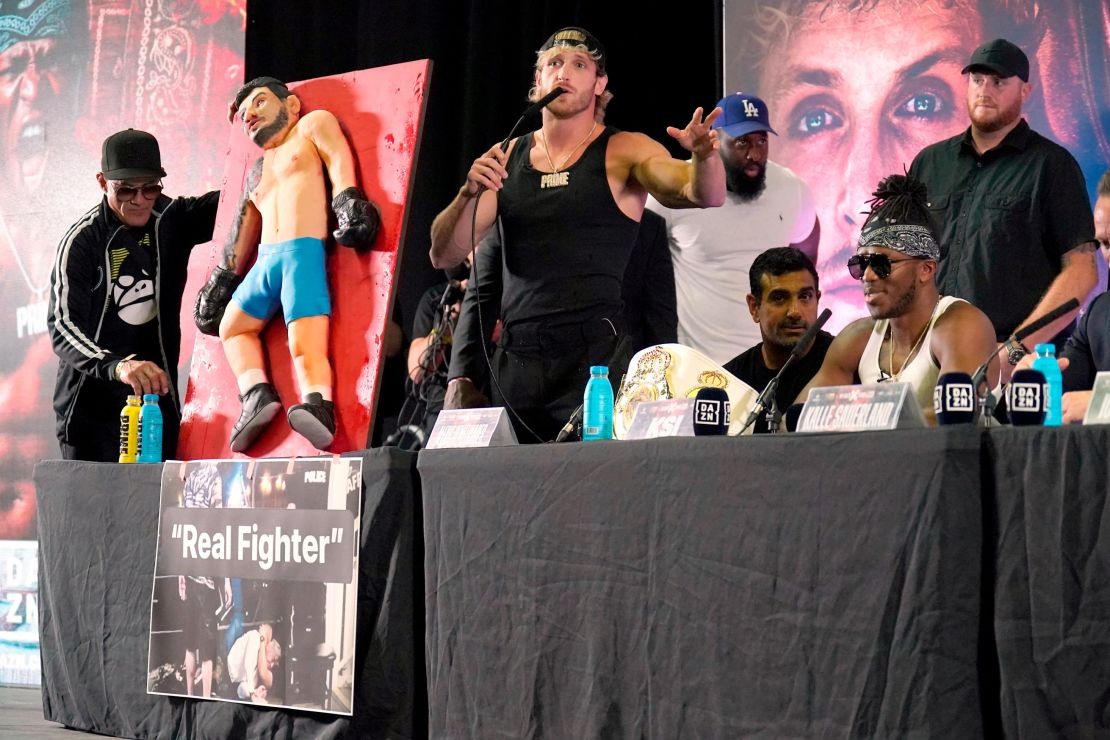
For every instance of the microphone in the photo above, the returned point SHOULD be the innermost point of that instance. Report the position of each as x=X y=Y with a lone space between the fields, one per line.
x=954 y=399
x=572 y=424
x=1025 y=398
x=980 y=376
x=453 y=293
x=1048 y=318
x=793 y=413
x=545 y=101
x=767 y=397
x=620 y=351
x=807 y=338
x=533 y=108
x=712 y=412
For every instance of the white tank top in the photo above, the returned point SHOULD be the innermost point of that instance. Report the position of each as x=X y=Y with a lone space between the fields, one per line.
x=921 y=372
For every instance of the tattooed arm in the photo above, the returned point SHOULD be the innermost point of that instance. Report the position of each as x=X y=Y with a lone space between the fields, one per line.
x=240 y=247
x=246 y=231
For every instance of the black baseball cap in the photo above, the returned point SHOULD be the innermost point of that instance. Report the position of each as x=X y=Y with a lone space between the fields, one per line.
x=575 y=36
x=131 y=153
x=1001 y=58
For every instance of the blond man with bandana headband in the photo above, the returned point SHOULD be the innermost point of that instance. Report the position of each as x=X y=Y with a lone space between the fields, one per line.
x=914 y=334
x=569 y=198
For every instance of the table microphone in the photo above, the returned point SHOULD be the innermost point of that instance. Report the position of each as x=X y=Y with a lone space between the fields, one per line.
x=1048 y=318
x=986 y=415
x=712 y=412
x=793 y=413
x=1025 y=398
x=954 y=399
x=767 y=397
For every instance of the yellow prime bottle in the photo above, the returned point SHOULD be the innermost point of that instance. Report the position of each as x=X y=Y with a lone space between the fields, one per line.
x=129 y=430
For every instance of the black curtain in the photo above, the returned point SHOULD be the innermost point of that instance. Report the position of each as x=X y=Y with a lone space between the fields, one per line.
x=661 y=67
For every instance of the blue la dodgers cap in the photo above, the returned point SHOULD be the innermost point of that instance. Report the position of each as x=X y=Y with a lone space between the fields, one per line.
x=742 y=114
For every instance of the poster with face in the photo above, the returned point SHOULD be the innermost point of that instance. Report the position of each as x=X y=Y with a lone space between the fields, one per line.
x=856 y=88
x=73 y=72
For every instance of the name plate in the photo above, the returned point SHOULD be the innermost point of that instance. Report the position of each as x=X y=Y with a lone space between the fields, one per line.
x=488 y=427
x=670 y=418
x=1098 y=410
x=860 y=408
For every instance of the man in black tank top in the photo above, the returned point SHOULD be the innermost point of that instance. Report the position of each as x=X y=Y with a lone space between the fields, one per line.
x=569 y=198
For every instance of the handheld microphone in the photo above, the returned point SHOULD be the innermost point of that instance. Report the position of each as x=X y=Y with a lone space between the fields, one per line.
x=954 y=399
x=712 y=412
x=1025 y=398
x=533 y=108
x=767 y=397
x=1048 y=318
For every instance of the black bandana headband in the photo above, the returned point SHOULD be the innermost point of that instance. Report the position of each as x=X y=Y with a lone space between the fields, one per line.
x=909 y=239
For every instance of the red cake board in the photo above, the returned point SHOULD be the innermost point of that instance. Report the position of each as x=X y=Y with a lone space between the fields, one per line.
x=380 y=110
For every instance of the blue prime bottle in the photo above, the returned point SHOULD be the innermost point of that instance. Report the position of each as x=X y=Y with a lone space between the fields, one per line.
x=1054 y=383
x=597 y=406
x=150 y=430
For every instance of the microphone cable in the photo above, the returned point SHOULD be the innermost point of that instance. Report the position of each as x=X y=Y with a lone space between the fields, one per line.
x=534 y=107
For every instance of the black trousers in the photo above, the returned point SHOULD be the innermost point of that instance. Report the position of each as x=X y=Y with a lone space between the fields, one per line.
x=542 y=383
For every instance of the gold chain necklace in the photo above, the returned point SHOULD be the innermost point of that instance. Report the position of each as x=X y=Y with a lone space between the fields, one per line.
x=555 y=170
x=913 y=349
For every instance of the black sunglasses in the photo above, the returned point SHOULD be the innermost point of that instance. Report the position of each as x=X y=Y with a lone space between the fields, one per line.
x=880 y=264
x=127 y=192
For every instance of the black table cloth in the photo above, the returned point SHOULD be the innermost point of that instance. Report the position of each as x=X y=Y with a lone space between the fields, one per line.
x=98 y=526
x=809 y=586
x=1050 y=532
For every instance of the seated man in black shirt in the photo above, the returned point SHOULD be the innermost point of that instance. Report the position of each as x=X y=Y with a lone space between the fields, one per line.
x=783 y=302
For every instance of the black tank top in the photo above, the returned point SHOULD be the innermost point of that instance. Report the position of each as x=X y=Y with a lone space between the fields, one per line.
x=566 y=248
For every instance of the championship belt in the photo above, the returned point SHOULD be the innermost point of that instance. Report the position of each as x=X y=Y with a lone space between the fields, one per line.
x=675 y=371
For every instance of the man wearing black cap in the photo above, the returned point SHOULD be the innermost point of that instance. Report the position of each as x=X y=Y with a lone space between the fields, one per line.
x=766 y=203
x=569 y=198
x=115 y=297
x=1014 y=216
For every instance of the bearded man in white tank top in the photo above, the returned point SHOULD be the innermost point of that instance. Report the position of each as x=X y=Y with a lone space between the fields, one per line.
x=914 y=334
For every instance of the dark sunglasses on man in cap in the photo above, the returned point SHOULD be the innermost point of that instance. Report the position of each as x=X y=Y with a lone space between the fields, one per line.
x=150 y=191
x=880 y=264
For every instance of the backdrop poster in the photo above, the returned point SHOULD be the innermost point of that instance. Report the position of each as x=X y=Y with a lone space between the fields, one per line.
x=256 y=582
x=72 y=72
x=19 y=634
x=856 y=89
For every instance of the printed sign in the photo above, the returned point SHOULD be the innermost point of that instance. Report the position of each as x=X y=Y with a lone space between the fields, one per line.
x=472 y=428
x=256 y=582
x=19 y=613
x=858 y=408
x=1098 y=410
x=670 y=418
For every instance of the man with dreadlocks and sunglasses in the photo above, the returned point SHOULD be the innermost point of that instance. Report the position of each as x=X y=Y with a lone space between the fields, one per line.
x=914 y=334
